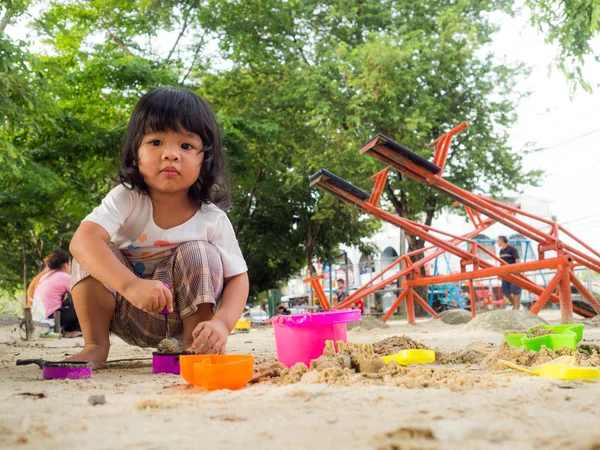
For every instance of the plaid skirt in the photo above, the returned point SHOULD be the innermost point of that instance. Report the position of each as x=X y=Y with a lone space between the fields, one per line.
x=195 y=274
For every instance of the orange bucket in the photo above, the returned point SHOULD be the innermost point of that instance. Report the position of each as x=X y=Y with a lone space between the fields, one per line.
x=214 y=372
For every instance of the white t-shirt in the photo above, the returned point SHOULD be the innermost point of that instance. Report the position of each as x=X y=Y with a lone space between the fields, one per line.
x=126 y=215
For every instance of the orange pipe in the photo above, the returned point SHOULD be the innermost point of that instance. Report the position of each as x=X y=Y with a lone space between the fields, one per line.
x=319 y=292
x=473 y=299
x=425 y=305
x=541 y=301
x=566 y=303
x=395 y=305
x=493 y=271
x=363 y=291
x=410 y=307
x=380 y=180
x=457 y=129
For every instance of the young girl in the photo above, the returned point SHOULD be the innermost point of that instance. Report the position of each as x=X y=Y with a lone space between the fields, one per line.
x=161 y=226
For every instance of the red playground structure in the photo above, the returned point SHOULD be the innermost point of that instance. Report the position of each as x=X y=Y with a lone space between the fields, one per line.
x=566 y=255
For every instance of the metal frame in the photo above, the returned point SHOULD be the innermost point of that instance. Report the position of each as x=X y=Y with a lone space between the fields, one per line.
x=567 y=256
x=354 y=196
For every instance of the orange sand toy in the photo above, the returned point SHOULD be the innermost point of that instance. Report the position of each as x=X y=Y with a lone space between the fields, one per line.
x=214 y=372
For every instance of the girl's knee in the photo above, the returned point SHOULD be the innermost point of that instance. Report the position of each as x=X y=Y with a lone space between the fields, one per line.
x=199 y=252
x=195 y=247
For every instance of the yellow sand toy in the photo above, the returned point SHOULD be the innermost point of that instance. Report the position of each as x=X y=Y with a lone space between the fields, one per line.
x=407 y=357
x=560 y=368
x=242 y=325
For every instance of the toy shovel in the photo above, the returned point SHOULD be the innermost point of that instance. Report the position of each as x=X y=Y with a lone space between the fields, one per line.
x=407 y=357
x=560 y=368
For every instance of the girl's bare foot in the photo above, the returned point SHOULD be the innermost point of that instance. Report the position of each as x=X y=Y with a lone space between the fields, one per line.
x=94 y=354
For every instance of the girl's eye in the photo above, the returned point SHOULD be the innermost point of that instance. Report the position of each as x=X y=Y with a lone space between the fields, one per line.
x=155 y=142
x=186 y=146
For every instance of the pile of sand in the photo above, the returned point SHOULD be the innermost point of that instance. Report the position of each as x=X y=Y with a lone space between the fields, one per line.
x=367 y=323
x=360 y=364
x=394 y=344
x=585 y=356
x=505 y=320
x=536 y=331
x=455 y=316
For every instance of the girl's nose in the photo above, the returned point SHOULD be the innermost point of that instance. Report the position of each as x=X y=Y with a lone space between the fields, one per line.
x=170 y=154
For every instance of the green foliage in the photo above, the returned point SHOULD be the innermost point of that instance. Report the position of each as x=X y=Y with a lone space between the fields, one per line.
x=572 y=24
x=297 y=86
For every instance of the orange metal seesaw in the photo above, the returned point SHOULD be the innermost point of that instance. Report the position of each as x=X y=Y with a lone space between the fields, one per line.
x=357 y=197
x=419 y=169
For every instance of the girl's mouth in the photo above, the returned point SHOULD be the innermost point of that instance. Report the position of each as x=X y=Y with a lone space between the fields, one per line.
x=169 y=171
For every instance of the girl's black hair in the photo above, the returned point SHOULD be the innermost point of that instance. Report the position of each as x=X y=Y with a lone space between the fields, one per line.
x=177 y=109
x=57 y=259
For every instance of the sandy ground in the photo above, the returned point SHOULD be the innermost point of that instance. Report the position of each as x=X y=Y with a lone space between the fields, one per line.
x=146 y=411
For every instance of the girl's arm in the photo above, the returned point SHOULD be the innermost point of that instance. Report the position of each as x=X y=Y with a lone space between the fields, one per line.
x=211 y=336
x=233 y=300
x=89 y=247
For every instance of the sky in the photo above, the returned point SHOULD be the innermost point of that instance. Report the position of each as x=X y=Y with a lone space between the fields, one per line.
x=567 y=127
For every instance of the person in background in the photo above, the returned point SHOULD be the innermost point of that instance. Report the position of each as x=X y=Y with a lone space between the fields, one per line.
x=340 y=293
x=282 y=310
x=34 y=283
x=53 y=293
x=510 y=255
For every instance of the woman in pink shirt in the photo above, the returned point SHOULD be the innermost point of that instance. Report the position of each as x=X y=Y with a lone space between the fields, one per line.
x=54 y=292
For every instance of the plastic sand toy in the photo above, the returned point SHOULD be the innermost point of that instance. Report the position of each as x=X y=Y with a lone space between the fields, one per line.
x=407 y=357
x=560 y=368
x=214 y=372
x=242 y=325
x=301 y=338
x=563 y=336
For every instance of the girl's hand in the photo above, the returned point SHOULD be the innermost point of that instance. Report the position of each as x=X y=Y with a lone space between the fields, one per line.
x=210 y=338
x=149 y=295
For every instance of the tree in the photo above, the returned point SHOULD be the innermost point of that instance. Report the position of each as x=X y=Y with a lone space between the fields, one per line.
x=339 y=72
x=95 y=85
x=30 y=201
x=572 y=24
x=297 y=86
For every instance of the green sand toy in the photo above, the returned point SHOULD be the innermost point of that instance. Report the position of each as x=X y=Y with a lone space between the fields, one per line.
x=565 y=336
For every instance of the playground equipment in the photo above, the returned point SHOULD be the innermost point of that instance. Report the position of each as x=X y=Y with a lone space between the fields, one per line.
x=486 y=295
x=357 y=197
x=421 y=170
x=424 y=171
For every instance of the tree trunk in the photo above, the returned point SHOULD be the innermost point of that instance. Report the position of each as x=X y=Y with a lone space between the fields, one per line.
x=24 y=272
x=400 y=204
x=246 y=213
x=5 y=21
x=28 y=322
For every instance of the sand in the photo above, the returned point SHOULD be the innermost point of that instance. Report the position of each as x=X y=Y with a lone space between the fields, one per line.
x=454 y=405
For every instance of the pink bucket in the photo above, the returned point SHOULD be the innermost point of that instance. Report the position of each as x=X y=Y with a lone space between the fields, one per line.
x=301 y=338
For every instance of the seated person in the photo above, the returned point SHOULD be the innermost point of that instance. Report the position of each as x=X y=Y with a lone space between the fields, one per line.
x=34 y=283
x=53 y=293
x=282 y=310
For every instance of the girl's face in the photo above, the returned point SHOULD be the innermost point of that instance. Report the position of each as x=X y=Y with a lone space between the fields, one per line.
x=170 y=162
